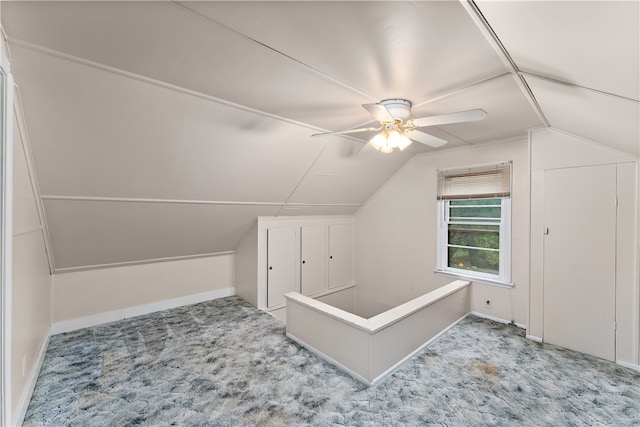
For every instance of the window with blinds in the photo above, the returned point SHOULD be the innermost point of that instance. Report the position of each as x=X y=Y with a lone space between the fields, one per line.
x=475 y=212
x=480 y=182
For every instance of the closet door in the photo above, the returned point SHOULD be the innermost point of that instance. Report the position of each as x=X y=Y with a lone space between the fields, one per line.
x=282 y=264
x=340 y=254
x=314 y=259
x=580 y=259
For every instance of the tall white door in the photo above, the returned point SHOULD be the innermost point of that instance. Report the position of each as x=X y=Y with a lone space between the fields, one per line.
x=580 y=259
x=314 y=259
x=282 y=263
x=340 y=254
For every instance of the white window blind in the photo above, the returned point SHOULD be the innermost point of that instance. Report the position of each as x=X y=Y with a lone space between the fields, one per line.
x=477 y=182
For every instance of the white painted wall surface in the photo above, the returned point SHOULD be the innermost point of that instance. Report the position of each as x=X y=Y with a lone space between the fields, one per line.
x=31 y=285
x=344 y=299
x=553 y=149
x=628 y=290
x=106 y=291
x=246 y=266
x=395 y=235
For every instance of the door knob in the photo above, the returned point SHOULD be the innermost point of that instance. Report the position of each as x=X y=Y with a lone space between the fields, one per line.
x=270 y=268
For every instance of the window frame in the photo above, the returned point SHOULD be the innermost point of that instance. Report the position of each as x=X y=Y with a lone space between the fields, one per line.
x=503 y=278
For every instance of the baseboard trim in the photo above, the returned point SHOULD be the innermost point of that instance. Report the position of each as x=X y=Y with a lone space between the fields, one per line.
x=386 y=373
x=31 y=383
x=497 y=319
x=628 y=365
x=408 y=357
x=112 y=316
x=332 y=361
x=534 y=338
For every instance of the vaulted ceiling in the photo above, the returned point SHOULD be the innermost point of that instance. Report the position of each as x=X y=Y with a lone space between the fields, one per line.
x=162 y=129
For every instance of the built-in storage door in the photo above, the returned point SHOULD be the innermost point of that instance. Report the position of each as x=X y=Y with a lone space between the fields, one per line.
x=282 y=263
x=314 y=259
x=340 y=254
x=580 y=259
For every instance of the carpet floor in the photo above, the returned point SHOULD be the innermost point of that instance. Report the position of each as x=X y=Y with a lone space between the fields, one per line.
x=224 y=363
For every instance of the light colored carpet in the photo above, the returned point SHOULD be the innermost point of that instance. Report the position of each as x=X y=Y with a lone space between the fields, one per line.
x=226 y=363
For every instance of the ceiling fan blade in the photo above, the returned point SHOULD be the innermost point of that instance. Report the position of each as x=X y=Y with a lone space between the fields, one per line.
x=461 y=116
x=343 y=132
x=425 y=138
x=379 y=111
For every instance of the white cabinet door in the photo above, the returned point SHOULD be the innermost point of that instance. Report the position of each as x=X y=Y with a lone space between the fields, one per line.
x=282 y=263
x=340 y=254
x=580 y=259
x=314 y=259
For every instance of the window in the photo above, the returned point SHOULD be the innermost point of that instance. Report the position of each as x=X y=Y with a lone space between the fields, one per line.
x=474 y=222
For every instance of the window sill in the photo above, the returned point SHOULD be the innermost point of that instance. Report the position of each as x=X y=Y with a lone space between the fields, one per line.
x=483 y=280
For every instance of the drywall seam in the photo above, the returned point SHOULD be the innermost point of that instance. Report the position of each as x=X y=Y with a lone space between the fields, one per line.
x=187 y=201
x=460 y=90
x=143 y=200
x=486 y=30
x=28 y=230
x=272 y=49
x=106 y=68
x=550 y=79
x=35 y=187
x=304 y=175
x=139 y=262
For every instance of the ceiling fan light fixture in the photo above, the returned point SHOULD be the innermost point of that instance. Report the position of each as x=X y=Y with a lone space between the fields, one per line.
x=387 y=140
x=394 y=115
x=399 y=109
x=398 y=139
x=379 y=141
x=386 y=149
x=405 y=143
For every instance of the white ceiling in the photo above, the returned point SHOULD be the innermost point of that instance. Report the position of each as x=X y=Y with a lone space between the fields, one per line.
x=137 y=109
x=593 y=44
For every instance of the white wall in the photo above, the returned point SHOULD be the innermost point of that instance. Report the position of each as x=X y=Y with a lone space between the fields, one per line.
x=246 y=263
x=85 y=298
x=396 y=238
x=552 y=149
x=31 y=284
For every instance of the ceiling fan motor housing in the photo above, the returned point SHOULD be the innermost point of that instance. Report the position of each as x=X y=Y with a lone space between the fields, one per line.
x=400 y=109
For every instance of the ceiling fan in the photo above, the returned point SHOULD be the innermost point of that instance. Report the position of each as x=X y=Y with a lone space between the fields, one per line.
x=397 y=130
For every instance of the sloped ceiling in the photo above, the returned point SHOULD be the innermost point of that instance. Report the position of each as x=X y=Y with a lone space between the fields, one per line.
x=581 y=61
x=162 y=129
